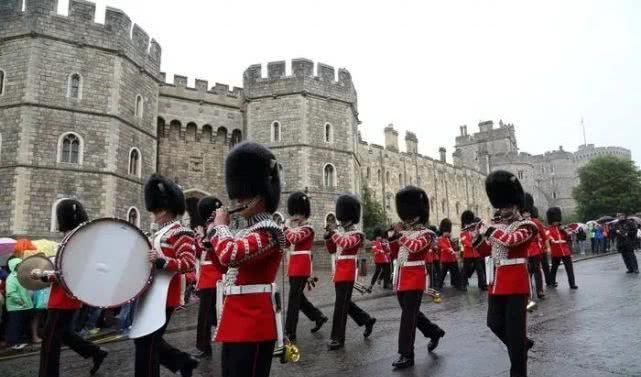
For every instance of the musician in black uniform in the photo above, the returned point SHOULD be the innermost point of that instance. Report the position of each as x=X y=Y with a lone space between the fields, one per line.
x=626 y=234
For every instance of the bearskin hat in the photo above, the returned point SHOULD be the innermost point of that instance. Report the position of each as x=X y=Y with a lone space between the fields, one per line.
x=446 y=226
x=554 y=215
x=535 y=213
x=298 y=204
x=467 y=218
x=207 y=206
x=251 y=170
x=348 y=208
x=162 y=193
x=412 y=202
x=379 y=231
x=70 y=213
x=504 y=189
x=528 y=203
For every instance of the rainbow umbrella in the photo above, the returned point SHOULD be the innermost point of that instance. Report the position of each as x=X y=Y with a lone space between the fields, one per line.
x=48 y=247
x=7 y=247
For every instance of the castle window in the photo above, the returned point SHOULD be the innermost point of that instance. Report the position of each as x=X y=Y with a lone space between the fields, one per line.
x=368 y=172
x=443 y=207
x=74 y=86
x=554 y=194
x=275 y=132
x=2 y=79
x=387 y=177
x=520 y=174
x=135 y=162
x=400 y=179
x=70 y=148
x=378 y=175
x=139 y=106
x=329 y=175
x=133 y=216
x=236 y=137
x=418 y=181
x=221 y=135
x=458 y=208
x=329 y=133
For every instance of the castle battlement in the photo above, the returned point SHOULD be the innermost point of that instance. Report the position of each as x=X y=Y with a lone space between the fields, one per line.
x=324 y=84
x=200 y=91
x=79 y=28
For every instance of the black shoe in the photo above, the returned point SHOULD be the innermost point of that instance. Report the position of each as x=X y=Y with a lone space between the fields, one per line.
x=574 y=287
x=188 y=368
x=483 y=288
x=97 y=361
x=541 y=295
x=335 y=345
x=319 y=323
x=431 y=346
x=403 y=362
x=202 y=354
x=369 y=326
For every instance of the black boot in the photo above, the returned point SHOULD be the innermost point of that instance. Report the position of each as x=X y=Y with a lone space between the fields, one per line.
x=98 y=358
x=189 y=366
x=202 y=354
x=574 y=287
x=335 y=345
x=431 y=346
x=403 y=362
x=319 y=323
x=369 y=326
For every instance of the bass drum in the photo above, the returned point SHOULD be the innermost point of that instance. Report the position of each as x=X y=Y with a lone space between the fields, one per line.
x=104 y=263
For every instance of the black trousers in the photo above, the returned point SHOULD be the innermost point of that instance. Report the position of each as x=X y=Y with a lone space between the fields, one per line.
x=206 y=318
x=298 y=303
x=343 y=306
x=534 y=266
x=569 y=270
x=455 y=275
x=471 y=265
x=58 y=331
x=507 y=318
x=247 y=359
x=411 y=319
x=384 y=272
x=434 y=270
x=18 y=326
x=152 y=351
x=545 y=266
x=629 y=258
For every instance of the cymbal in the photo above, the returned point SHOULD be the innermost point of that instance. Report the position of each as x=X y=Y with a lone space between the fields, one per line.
x=23 y=271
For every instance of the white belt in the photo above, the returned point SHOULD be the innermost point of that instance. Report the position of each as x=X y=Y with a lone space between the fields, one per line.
x=353 y=257
x=300 y=252
x=206 y=263
x=509 y=262
x=247 y=289
x=414 y=263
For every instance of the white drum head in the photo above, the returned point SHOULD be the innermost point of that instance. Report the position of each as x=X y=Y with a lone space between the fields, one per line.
x=104 y=263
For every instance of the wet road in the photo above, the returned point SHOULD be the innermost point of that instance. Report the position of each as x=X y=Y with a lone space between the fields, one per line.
x=592 y=332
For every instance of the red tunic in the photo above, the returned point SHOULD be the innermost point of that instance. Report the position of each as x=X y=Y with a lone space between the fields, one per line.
x=536 y=246
x=558 y=241
x=448 y=255
x=253 y=256
x=381 y=251
x=345 y=246
x=393 y=247
x=178 y=249
x=509 y=241
x=211 y=270
x=58 y=297
x=466 y=242
x=300 y=258
x=414 y=245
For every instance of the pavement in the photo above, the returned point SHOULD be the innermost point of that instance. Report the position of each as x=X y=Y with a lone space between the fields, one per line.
x=594 y=331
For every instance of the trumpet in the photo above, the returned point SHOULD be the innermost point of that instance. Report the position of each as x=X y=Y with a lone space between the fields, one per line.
x=472 y=226
x=289 y=352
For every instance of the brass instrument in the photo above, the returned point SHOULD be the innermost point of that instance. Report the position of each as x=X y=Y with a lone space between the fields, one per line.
x=288 y=353
x=435 y=295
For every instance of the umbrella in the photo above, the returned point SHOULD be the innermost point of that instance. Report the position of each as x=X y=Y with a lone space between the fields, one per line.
x=576 y=226
x=47 y=246
x=7 y=247
x=635 y=219
x=592 y=222
x=605 y=219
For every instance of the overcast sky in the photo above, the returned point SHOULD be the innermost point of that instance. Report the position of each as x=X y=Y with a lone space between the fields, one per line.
x=430 y=66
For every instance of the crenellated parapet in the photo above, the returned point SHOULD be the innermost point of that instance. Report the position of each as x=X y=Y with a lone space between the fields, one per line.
x=302 y=80
x=218 y=94
x=118 y=34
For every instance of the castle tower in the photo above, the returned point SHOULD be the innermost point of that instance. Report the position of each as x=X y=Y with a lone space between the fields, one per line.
x=310 y=122
x=77 y=113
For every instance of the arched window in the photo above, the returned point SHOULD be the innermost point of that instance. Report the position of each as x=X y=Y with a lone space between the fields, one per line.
x=160 y=127
x=135 y=162
x=139 y=106
x=278 y=218
x=329 y=175
x=70 y=147
x=74 y=86
x=2 y=80
x=236 y=137
x=378 y=175
x=367 y=172
x=133 y=216
x=221 y=135
x=387 y=177
x=400 y=180
x=275 y=132
x=329 y=133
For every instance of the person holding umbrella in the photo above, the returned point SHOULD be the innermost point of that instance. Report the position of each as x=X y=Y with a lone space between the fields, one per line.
x=626 y=233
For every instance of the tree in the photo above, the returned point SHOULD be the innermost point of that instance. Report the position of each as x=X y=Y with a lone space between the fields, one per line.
x=373 y=213
x=608 y=185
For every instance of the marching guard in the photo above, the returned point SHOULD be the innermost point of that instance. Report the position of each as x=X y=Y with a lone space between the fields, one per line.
x=535 y=250
x=61 y=307
x=472 y=261
x=300 y=237
x=345 y=245
x=248 y=326
x=211 y=271
x=173 y=251
x=559 y=241
x=382 y=259
x=448 y=257
x=509 y=289
x=410 y=274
